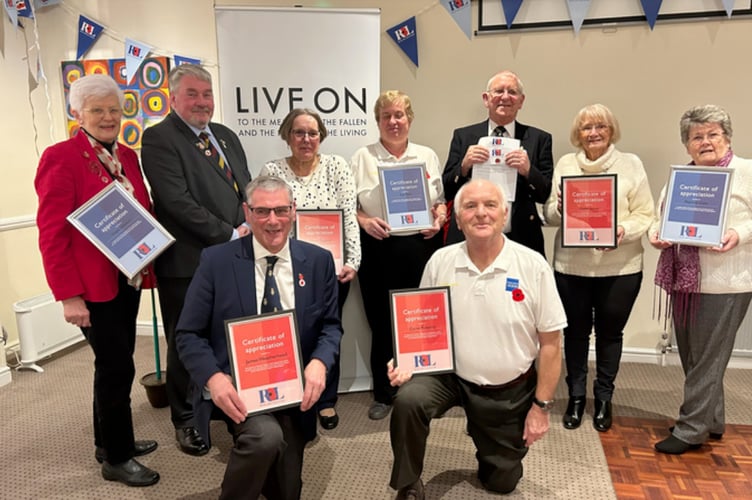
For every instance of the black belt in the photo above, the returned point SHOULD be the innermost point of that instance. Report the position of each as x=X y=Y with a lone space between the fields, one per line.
x=529 y=373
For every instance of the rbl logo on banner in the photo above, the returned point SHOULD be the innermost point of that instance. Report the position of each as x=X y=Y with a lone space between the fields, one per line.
x=142 y=250
x=87 y=29
x=269 y=394
x=689 y=231
x=423 y=361
x=402 y=33
x=408 y=219
x=134 y=51
x=587 y=236
x=457 y=4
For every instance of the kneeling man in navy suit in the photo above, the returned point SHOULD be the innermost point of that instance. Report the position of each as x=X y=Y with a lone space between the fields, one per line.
x=267 y=457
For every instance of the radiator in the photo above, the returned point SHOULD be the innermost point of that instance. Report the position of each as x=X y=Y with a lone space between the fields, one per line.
x=42 y=331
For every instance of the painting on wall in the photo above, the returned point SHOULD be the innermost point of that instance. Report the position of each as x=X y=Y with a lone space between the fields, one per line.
x=147 y=96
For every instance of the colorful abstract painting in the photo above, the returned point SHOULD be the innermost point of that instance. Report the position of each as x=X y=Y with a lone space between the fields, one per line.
x=147 y=98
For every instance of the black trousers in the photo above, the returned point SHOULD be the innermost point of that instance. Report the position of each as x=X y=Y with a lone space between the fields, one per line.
x=393 y=263
x=329 y=396
x=112 y=337
x=604 y=303
x=171 y=297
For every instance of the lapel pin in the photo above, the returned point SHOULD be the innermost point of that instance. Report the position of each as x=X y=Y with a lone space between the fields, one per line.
x=301 y=280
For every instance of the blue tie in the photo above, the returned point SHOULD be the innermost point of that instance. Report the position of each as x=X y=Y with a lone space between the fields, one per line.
x=271 y=301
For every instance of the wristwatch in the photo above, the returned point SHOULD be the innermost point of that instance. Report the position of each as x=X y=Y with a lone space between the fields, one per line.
x=544 y=405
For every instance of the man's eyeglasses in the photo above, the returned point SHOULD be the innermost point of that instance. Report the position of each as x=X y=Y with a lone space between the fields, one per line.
x=264 y=212
x=500 y=92
x=300 y=134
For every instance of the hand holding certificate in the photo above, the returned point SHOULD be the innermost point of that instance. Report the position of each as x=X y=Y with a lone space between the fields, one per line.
x=406 y=197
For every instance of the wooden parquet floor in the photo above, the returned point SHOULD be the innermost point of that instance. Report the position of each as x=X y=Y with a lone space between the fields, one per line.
x=718 y=470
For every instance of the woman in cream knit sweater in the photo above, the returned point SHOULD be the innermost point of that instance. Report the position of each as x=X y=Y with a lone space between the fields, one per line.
x=598 y=287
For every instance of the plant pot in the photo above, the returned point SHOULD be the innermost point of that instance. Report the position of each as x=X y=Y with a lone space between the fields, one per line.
x=156 y=389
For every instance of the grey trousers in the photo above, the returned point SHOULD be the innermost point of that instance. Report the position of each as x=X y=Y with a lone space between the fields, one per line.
x=705 y=343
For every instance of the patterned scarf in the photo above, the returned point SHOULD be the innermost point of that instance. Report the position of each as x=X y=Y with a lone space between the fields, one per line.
x=111 y=162
x=678 y=273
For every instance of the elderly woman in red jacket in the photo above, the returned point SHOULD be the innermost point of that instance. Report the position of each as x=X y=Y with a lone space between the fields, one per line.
x=96 y=296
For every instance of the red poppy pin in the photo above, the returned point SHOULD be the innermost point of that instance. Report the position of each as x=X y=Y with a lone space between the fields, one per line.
x=518 y=295
x=301 y=280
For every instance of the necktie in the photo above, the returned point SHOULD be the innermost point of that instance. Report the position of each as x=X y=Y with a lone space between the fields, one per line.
x=271 y=301
x=499 y=131
x=212 y=152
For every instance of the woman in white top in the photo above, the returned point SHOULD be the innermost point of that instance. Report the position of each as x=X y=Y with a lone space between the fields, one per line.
x=320 y=181
x=391 y=261
x=710 y=288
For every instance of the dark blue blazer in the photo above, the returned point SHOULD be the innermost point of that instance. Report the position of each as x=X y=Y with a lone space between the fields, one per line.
x=526 y=224
x=224 y=287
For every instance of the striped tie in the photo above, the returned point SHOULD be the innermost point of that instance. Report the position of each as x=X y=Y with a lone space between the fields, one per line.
x=214 y=154
x=499 y=131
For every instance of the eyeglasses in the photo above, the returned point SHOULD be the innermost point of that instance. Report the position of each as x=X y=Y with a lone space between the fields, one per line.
x=100 y=112
x=713 y=137
x=501 y=92
x=300 y=134
x=598 y=128
x=264 y=212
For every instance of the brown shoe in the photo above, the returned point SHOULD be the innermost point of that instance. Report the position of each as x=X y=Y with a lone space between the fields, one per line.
x=412 y=491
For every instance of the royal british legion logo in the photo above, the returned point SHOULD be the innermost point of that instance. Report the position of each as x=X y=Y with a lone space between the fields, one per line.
x=269 y=394
x=423 y=361
x=134 y=51
x=142 y=250
x=689 y=231
x=87 y=29
x=403 y=32
x=587 y=236
x=408 y=219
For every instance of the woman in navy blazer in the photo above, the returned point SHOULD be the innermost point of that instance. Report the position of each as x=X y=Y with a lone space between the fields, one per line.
x=96 y=296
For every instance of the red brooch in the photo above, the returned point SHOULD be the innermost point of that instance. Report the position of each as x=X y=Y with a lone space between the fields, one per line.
x=301 y=280
x=518 y=295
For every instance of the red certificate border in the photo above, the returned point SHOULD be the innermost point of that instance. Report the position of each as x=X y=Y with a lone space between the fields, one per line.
x=437 y=360
x=340 y=213
x=598 y=236
x=282 y=393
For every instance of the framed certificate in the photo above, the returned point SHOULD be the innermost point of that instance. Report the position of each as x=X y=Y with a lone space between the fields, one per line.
x=588 y=211
x=123 y=230
x=694 y=211
x=404 y=191
x=325 y=228
x=265 y=359
x=422 y=327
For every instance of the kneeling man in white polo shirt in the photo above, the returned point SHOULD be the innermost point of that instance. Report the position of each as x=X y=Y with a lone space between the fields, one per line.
x=507 y=315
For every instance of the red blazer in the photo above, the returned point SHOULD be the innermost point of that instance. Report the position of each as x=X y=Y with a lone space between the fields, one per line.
x=69 y=174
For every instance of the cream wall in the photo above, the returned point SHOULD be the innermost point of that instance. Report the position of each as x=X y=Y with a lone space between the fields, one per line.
x=647 y=78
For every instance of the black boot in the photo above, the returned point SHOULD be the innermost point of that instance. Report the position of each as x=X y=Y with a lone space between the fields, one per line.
x=573 y=416
x=602 y=419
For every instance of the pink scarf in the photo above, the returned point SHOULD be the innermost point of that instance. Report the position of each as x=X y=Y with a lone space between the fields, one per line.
x=678 y=273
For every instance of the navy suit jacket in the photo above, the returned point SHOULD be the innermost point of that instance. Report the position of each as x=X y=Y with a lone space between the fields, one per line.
x=193 y=199
x=224 y=287
x=526 y=224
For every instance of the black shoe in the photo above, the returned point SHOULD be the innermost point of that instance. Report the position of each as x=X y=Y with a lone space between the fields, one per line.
x=130 y=472
x=190 y=441
x=575 y=410
x=141 y=448
x=716 y=436
x=328 y=422
x=412 y=491
x=602 y=419
x=377 y=411
x=672 y=445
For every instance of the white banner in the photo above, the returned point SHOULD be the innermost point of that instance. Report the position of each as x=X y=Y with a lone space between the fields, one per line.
x=272 y=60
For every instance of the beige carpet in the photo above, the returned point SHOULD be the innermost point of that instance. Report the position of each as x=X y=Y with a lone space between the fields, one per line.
x=47 y=443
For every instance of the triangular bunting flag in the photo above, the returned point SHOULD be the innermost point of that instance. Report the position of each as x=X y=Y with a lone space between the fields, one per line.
x=10 y=8
x=729 y=6
x=88 y=32
x=405 y=35
x=33 y=83
x=462 y=15
x=651 y=8
x=38 y=4
x=135 y=53
x=511 y=7
x=185 y=60
x=23 y=7
x=577 y=11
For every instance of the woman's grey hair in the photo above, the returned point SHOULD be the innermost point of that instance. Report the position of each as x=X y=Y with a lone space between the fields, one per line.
x=178 y=72
x=286 y=128
x=93 y=86
x=268 y=183
x=595 y=113
x=702 y=115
